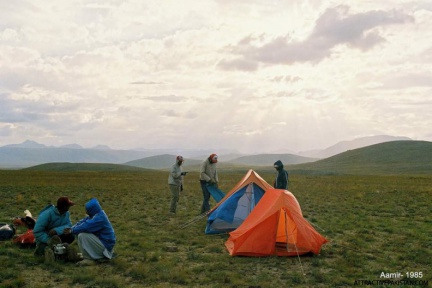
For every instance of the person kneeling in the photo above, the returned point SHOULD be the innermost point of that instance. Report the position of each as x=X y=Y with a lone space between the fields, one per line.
x=51 y=228
x=96 y=237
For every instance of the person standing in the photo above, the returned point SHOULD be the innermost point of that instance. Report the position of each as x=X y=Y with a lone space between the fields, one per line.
x=51 y=226
x=208 y=176
x=281 y=181
x=96 y=237
x=175 y=182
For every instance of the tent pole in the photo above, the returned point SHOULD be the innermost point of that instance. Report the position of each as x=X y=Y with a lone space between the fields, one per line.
x=298 y=256
x=251 y=198
x=194 y=219
x=286 y=231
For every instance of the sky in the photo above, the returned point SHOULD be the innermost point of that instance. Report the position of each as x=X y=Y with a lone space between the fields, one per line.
x=251 y=76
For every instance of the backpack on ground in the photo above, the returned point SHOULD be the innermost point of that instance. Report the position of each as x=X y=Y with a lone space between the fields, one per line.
x=26 y=240
x=7 y=231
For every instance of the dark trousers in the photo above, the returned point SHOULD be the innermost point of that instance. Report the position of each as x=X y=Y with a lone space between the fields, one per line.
x=67 y=238
x=206 y=197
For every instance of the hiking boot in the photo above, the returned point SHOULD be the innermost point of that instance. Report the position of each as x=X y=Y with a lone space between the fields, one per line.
x=40 y=250
x=49 y=255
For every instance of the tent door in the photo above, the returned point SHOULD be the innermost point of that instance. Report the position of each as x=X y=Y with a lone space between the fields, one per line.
x=246 y=203
x=286 y=237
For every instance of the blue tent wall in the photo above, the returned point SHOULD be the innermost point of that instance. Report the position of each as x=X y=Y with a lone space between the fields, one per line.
x=224 y=219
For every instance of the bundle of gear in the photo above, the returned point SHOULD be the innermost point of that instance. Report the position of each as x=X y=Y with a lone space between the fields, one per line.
x=26 y=239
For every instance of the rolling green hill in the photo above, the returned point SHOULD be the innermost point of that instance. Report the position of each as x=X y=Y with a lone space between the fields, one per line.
x=269 y=159
x=164 y=161
x=73 y=167
x=397 y=157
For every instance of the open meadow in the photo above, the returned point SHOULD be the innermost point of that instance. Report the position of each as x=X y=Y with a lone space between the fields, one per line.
x=374 y=224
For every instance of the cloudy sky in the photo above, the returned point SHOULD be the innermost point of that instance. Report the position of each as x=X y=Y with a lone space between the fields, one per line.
x=249 y=75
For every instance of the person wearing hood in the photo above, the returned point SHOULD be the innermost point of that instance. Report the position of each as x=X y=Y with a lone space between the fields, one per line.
x=281 y=181
x=96 y=237
x=52 y=225
x=208 y=176
x=175 y=182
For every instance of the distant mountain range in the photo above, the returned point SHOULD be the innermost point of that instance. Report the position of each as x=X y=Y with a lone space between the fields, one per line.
x=389 y=158
x=30 y=153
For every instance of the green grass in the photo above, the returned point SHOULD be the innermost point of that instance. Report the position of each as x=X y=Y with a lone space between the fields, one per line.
x=374 y=223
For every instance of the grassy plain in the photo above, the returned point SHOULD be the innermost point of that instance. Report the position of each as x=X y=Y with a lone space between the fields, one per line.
x=375 y=224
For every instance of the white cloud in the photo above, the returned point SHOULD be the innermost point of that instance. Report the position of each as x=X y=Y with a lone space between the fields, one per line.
x=213 y=73
x=334 y=27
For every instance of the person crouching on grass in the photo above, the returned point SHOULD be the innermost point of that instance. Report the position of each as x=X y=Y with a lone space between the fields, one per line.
x=96 y=237
x=52 y=227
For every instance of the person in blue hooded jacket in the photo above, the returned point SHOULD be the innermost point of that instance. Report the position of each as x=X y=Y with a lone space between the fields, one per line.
x=96 y=237
x=281 y=181
x=52 y=225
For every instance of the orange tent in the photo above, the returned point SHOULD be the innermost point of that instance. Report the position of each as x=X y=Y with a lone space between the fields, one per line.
x=275 y=227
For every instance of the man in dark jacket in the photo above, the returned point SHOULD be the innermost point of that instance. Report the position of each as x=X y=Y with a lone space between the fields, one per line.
x=281 y=181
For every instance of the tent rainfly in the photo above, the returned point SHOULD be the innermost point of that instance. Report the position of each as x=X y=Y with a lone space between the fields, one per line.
x=275 y=227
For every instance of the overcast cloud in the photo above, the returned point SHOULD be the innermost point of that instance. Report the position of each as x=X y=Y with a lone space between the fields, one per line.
x=254 y=76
